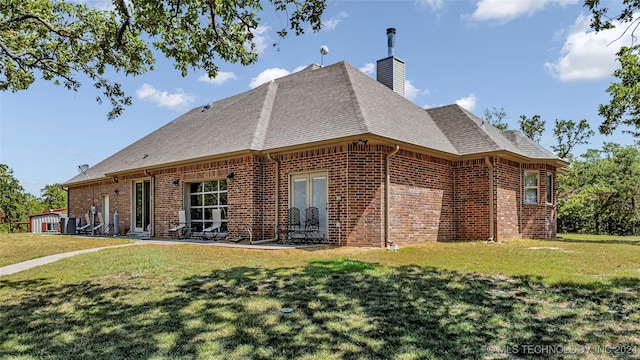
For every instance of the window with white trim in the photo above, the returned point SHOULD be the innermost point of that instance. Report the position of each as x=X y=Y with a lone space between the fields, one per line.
x=203 y=198
x=531 y=187
x=549 y=188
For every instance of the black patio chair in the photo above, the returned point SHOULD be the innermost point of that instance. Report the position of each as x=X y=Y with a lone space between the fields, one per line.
x=312 y=224
x=292 y=231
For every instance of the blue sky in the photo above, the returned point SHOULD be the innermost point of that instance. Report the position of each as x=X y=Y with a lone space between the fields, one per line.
x=526 y=56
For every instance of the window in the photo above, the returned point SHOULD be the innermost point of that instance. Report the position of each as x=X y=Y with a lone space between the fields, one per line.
x=531 y=187
x=203 y=198
x=549 y=188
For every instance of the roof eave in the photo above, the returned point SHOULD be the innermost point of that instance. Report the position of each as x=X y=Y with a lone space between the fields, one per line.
x=506 y=154
x=184 y=162
x=85 y=182
x=115 y=174
x=372 y=139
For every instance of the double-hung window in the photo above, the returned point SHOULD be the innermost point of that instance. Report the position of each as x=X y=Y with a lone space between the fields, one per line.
x=531 y=181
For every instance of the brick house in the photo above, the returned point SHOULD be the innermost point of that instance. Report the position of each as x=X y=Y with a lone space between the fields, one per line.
x=380 y=169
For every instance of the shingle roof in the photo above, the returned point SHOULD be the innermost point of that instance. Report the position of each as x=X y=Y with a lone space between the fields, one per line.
x=473 y=135
x=313 y=105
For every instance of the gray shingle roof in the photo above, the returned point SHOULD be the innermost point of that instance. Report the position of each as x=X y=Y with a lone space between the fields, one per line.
x=468 y=133
x=472 y=135
x=313 y=105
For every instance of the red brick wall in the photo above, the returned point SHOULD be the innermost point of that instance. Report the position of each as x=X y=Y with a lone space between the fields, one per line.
x=333 y=160
x=168 y=199
x=82 y=197
x=430 y=198
x=471 y=199
x=421 y=199
x=365 y=196
x=264 y=199
x=508 y=199
x=539 y=220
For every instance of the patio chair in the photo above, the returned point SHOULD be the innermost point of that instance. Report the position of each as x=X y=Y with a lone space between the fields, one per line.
x=212 y=232
x=86 y=228
x=180 y=231
x=312 y=223
x=99 y=225
x=292 y=230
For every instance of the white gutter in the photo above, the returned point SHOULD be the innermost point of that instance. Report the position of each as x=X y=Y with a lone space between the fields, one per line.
x=491 y=211
x=387 y=241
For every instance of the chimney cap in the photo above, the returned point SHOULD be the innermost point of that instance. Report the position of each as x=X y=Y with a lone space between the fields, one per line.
x=391 y=31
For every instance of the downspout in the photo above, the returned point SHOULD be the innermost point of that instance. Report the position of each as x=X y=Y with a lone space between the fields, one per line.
x=276 y=199
x=491 y=200
x=388 y=243
x=521 y=202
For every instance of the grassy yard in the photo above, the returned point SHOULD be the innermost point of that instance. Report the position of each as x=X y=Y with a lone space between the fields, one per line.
x=25 y=246
x=576 y=298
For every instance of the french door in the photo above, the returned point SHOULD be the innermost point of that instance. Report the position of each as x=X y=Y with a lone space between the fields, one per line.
x=105 y=212
x=142 y=205
x=310 y=190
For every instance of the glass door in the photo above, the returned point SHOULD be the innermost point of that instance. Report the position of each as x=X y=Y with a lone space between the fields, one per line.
x=105 y=212
x=310 y=190
x=142 y=206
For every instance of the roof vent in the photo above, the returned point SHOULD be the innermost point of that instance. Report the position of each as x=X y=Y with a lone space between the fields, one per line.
x=207 y=107
x=390 y=70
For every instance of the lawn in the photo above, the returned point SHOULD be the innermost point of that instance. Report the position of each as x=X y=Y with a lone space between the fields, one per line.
x=576 y=298
x=25 y=246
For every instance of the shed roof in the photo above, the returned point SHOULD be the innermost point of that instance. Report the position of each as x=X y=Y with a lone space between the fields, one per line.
x=313 y=105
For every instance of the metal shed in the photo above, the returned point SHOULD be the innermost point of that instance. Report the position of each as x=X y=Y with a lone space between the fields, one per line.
x=46 y=222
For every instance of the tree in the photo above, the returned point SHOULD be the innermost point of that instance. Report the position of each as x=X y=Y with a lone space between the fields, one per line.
x=53 y=197
x=600 y=192
x=495 y=118
x=13 y=199
x=532 y=127
x=624 y=106
x=59 y=40
x=569 y=135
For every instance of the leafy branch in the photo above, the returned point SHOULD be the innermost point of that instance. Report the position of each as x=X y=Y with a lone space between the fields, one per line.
x=59 y=41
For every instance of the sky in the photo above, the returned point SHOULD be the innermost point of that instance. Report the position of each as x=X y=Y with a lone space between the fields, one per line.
x=526 y=57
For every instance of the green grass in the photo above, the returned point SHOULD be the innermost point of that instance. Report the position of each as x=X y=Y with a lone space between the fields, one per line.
x=440 y=301
x=19 y=247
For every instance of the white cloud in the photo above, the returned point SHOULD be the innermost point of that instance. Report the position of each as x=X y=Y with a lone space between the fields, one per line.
x=333 y=22
x=410 y=91
x=267 y=75
x=261 y=38
x=587 y=55
x=178 y=100
x=468 y=102
x=220 y=79
x=368 y=68
x=507 y=10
